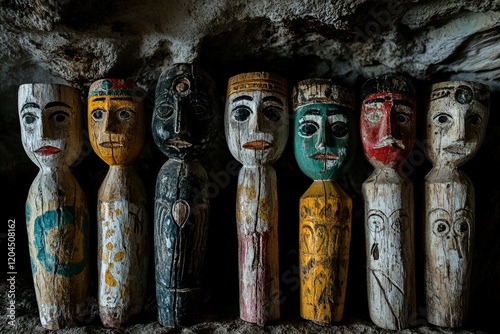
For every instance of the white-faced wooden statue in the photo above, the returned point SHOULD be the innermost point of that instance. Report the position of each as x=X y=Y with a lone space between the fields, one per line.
x=117 y=123
x=56 y=208
x=324 y=146
x=456 y=120
x=256 y=127
x=387 y=127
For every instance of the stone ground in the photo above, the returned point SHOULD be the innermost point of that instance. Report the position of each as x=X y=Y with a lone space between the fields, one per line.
x=227 y=322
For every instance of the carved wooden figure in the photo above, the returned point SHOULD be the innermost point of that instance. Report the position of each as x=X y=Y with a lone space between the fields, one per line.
x=324 y=145
x=56 y=208
x=186 y=117
x=387 y=127
x=116 y=121
x=256 y=127
x=456 y=119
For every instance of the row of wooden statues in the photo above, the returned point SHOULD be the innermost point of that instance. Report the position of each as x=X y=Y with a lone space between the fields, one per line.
x=185 y=119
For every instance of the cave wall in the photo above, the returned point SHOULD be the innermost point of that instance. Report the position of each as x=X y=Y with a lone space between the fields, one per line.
x=75 y=42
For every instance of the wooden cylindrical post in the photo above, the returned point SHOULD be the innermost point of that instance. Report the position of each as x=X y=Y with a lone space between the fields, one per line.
x=56 y=208
x=324 y=145
x=117 y=123
x=256 y=127
x=388 y=127
x=186 y=118
x=456 y=119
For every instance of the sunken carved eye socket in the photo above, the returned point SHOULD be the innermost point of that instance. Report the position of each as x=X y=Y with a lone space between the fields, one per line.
x=182 y=85
x=461 y=226
x=474 y=120
x=339 y=129
x=199 y=111
x=124 y=114
x=59 y=116
x=29 y=118
x=307 y=129
x=97 y=115
x=441 y=227
x=464 y=95
x=164 y=111
x=375 y=223
x=402 y=118
x=241 y=113
x=272 y=113
x=374 y=117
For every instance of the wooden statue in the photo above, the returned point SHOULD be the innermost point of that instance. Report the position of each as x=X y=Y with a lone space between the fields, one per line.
x=256 y=127
x=456 y=119
x=324 y=145
x=187 y=115
x=117 y=124
x=388 y=127
x=56 y=208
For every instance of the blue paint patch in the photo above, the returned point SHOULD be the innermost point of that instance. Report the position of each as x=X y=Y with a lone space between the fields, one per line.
x=28 y=217
x=59 y=220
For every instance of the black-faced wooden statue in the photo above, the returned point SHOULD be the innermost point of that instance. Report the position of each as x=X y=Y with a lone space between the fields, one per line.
x=117 y=124
x=186 y=116
x=387 y=127
x=456 y=119
x=324 y=146
x=256 y=127
x=56 y=207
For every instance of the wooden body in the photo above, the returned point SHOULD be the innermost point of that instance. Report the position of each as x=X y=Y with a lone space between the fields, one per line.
x=256 y=127
x=257 y=227
x=456 y=119
x=116 y=121
x=325 y=235
x=324 y=142
x=390 y=254
x=56 y=207
x=186 y=118
x=388 y=126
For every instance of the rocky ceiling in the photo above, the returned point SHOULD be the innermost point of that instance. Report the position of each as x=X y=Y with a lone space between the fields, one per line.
x=77 y=42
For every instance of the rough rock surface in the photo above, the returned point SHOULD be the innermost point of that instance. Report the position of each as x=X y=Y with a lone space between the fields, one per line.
x=77 y=42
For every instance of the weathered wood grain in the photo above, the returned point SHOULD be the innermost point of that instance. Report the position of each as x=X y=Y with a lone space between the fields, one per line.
x=388 y=126
x=56 y=207
x=324 y=145
x=186 y=117
x=456 y=119
x=256 y=128
x=116 y=121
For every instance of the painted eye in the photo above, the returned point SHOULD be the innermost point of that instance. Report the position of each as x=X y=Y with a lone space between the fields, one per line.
x=374 y=117
x=272 y=113
x=307 y=129
x=339 y=129
x=474 y=119
x=199 y=111
x=29 y=118
x=241 y=113
x=402 y=118
x=124 y=114
x=442 y=118
x=59 y=116
x=441 y=227
x=164 y=111
x=461 y=226
x=97 y=114
x=375 y=223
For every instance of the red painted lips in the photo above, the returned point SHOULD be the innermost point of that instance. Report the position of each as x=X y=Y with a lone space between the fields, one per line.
x=47 y=150
x=257 y=145
x=325 y=156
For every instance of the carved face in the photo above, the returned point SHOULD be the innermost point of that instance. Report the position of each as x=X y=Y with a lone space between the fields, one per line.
x=324 y=139
x=387 y=128
x=116 y=120
x=256 y=121
x=457 y=115
x=186 y=113
x=50 y=117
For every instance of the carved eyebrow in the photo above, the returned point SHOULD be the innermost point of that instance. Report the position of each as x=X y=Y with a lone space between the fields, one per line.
x=30 y=105
x=315 y=112
x=403 y=103
x=272 y=98
x=375 y=100
x=56 y=104
x=125 y=98
x=99 y=99
x=243 y=97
